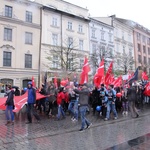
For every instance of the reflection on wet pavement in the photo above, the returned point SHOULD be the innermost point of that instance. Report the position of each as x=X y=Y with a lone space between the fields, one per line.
x=125 y=133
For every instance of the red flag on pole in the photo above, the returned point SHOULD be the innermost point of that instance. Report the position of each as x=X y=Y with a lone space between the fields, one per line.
x=147 y=89
x=33 y=82
x=99 y=74
x=55 y=82
x=108 y=74
x=84 y=73
x=144 y=76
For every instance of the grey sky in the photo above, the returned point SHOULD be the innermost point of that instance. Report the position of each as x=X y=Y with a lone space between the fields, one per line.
x=136 y=10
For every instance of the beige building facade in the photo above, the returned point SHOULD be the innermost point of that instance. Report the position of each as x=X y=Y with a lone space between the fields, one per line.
x=65 y=37
x=19 y=42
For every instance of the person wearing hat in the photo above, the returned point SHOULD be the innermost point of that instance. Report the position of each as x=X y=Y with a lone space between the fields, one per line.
x=9 y=105
x=83 y=101
x=31 y=99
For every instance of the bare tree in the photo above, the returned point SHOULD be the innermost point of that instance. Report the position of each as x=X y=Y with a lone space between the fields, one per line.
x=123 y=62
x=101 y=52
x=68 y=57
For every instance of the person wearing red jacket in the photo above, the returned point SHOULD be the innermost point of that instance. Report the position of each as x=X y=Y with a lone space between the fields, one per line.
x=60 y=100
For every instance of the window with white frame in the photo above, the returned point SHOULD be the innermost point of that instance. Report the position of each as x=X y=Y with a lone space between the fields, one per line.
x=93 y=47
x=123 y=49
x=70 y=63
x=110 y=37
x=54 y=21
x=80 y=44
x=8 y=11
x=81 y=63
x=55 y=62
x=80 y=28
x=54 y=39
x=93 y=33
x=28 y=16
x=7 y=59
x=130 y=52
x=7 y=34
x=28 y=61
x=69 y=25
x=28 y=38
x=102 y=36
x=70 y=42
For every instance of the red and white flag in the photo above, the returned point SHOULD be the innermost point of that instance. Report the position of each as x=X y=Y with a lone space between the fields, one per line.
x=108 y=74
x=84 y=73
x=99 y=74
x=147 y=89
x=33 y=82
x=144 y=76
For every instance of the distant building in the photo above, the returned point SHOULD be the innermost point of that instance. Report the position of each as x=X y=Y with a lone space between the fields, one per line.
x=123 y=41
x=101 y=43
x=19 y=41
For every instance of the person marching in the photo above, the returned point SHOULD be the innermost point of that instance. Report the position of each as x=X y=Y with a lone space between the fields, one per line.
x=30 y=104
x=9 y=105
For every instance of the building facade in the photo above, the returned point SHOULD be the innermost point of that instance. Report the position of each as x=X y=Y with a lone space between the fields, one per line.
x=142 y=47
x=19 y=41
x=65 y=37
x=101 y=42
x=123 y=41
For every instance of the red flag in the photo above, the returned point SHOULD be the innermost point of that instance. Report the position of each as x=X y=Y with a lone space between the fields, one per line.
x=99 y=74
x=55 y=82
x=147 y=89
x=108 y=74
x=84 y=73
x=118 y=82
x=144 y=76
x=33 y=82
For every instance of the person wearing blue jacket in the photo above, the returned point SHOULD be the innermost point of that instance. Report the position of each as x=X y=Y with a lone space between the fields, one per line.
x=31 y=100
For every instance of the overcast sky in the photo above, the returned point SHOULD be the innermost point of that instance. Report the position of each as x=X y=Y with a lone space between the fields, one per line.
x=136 y=10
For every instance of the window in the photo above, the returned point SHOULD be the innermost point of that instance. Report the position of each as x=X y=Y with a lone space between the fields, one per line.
x=118 y=62
x=139 y=58
x=81 y=63
x=123 y=49
x=55 y=61
x=138 y=36
x=70 y=42
x=144 y=49
x=145 y=62
x=80 y=44
x=80 y=28
x=28 y=61
x=70 y=63
x=8 y=11
x=139 y=47
x=7 y=34
x=102 y=36
x=148 y=50
x=123 y=35
x=93 y=48
x=110 y=37
x=143 y=37
x=93 y=33
x=148 y=60
x=55 y=39
x=148 y=41
x=129 y=37
x=28 y=16
x=28 y=38
x=130 y=52
x=69 y=25
x=54 y=22
x=7 y=59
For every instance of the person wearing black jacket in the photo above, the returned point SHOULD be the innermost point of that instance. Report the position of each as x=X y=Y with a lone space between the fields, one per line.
x=131 y=95
x=83 y=101
x=9 y=106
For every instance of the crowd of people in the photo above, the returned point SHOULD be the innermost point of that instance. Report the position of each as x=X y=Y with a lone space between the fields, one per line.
x=78 y=100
